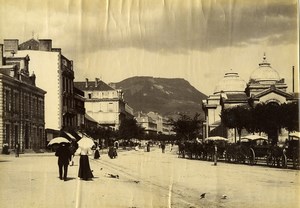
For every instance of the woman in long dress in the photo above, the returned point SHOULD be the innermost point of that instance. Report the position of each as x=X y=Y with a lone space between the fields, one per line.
x=97 y=153
x=84 y=172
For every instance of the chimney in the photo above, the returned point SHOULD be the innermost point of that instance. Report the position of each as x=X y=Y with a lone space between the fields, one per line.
x=86 y=82
x=45 y=44
x=11 y=45
x=96 y=82
x=33 y=78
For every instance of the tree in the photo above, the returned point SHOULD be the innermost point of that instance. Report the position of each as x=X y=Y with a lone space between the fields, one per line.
x=290 y=116
x=100 y=133
x=187 y=127
x=267 y=118
x=129 y=129
x=238 y=117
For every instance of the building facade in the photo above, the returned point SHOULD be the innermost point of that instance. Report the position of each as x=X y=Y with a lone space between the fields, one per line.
x=147 y=123
x=22 y=105
x=56 y=76
x=154 y=123
x=230 y=86
x=264 y=86
x=104 y=104
x=79 y=108
x=163 y=125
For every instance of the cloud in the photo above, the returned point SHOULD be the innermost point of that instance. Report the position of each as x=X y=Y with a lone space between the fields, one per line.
x=166 y=26
x=174 y=26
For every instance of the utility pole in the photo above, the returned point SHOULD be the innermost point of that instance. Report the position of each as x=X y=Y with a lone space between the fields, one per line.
x=293 y=78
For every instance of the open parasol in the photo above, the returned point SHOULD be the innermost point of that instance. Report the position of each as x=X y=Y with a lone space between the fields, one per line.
x=85 y=142
x=295 y=134
x=58 y=140
x=216 y=138
x=254 y=137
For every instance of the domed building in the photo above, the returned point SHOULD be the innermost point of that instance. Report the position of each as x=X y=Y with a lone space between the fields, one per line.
x=231 y=83
x=263 y=78
x=265 y=86
x=230 y=89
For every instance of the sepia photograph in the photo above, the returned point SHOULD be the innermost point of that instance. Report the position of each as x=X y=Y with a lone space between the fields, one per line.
x=149 y=104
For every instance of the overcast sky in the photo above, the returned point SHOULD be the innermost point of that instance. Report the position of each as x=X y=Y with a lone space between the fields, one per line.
x=195 y=40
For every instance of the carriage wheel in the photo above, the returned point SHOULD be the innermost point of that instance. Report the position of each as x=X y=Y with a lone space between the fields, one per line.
x=252 y=157
x=269 y=160
x=284 y=161
x=295 y=160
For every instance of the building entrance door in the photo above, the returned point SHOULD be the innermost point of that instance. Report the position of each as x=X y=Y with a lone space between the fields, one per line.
x=26 y=137
x=16 y=135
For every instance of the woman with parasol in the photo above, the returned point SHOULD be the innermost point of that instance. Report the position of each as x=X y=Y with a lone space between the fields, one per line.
x=84 y=149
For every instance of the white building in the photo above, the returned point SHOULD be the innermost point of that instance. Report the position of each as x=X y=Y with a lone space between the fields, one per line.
x=149 y=124
x=231 y=85
x=163 y=125
x=104 y=104
x=56 y=77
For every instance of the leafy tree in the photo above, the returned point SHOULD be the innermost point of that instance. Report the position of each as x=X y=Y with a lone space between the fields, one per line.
x=129 y=129
x=268 y=119
x=187 y=127
x=99 y=132
x=238 y=117
x=290 y=116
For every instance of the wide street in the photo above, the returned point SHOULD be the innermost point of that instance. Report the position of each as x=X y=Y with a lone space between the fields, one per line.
x=146 y=179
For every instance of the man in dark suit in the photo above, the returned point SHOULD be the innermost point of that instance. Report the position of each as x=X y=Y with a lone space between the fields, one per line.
x=64 y=156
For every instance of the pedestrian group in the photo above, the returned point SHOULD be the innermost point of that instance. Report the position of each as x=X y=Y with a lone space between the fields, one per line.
x=65 y=154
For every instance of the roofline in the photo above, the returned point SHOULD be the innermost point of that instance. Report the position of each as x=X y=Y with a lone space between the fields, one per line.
x=275 y=90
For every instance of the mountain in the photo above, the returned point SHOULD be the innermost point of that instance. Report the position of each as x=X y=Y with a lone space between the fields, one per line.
x=168 y=97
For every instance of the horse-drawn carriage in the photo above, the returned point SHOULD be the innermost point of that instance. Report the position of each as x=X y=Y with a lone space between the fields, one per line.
x=189 y=148
x=253 y=149
x=292 y=149
x=196 y=149
x=214 y=146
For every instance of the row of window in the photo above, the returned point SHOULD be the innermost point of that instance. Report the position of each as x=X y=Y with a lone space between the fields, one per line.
x=13 y=102
x=32 y=137
x=67 y=85
x=68 y=102
x=105 y=94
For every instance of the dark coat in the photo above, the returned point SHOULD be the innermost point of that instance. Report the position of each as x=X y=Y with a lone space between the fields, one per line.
x=64 y=155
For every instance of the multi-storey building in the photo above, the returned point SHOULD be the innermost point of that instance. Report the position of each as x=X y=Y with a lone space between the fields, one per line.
x=104 y=104
x=56 y=76
x=148 y=123
x=79 y=107
x=264 y=86
x=22 y=109
x=163 y=124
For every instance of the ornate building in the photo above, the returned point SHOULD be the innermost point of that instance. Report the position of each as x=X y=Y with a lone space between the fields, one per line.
x=264 y=86
x=232 y=88
x=22 y=109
